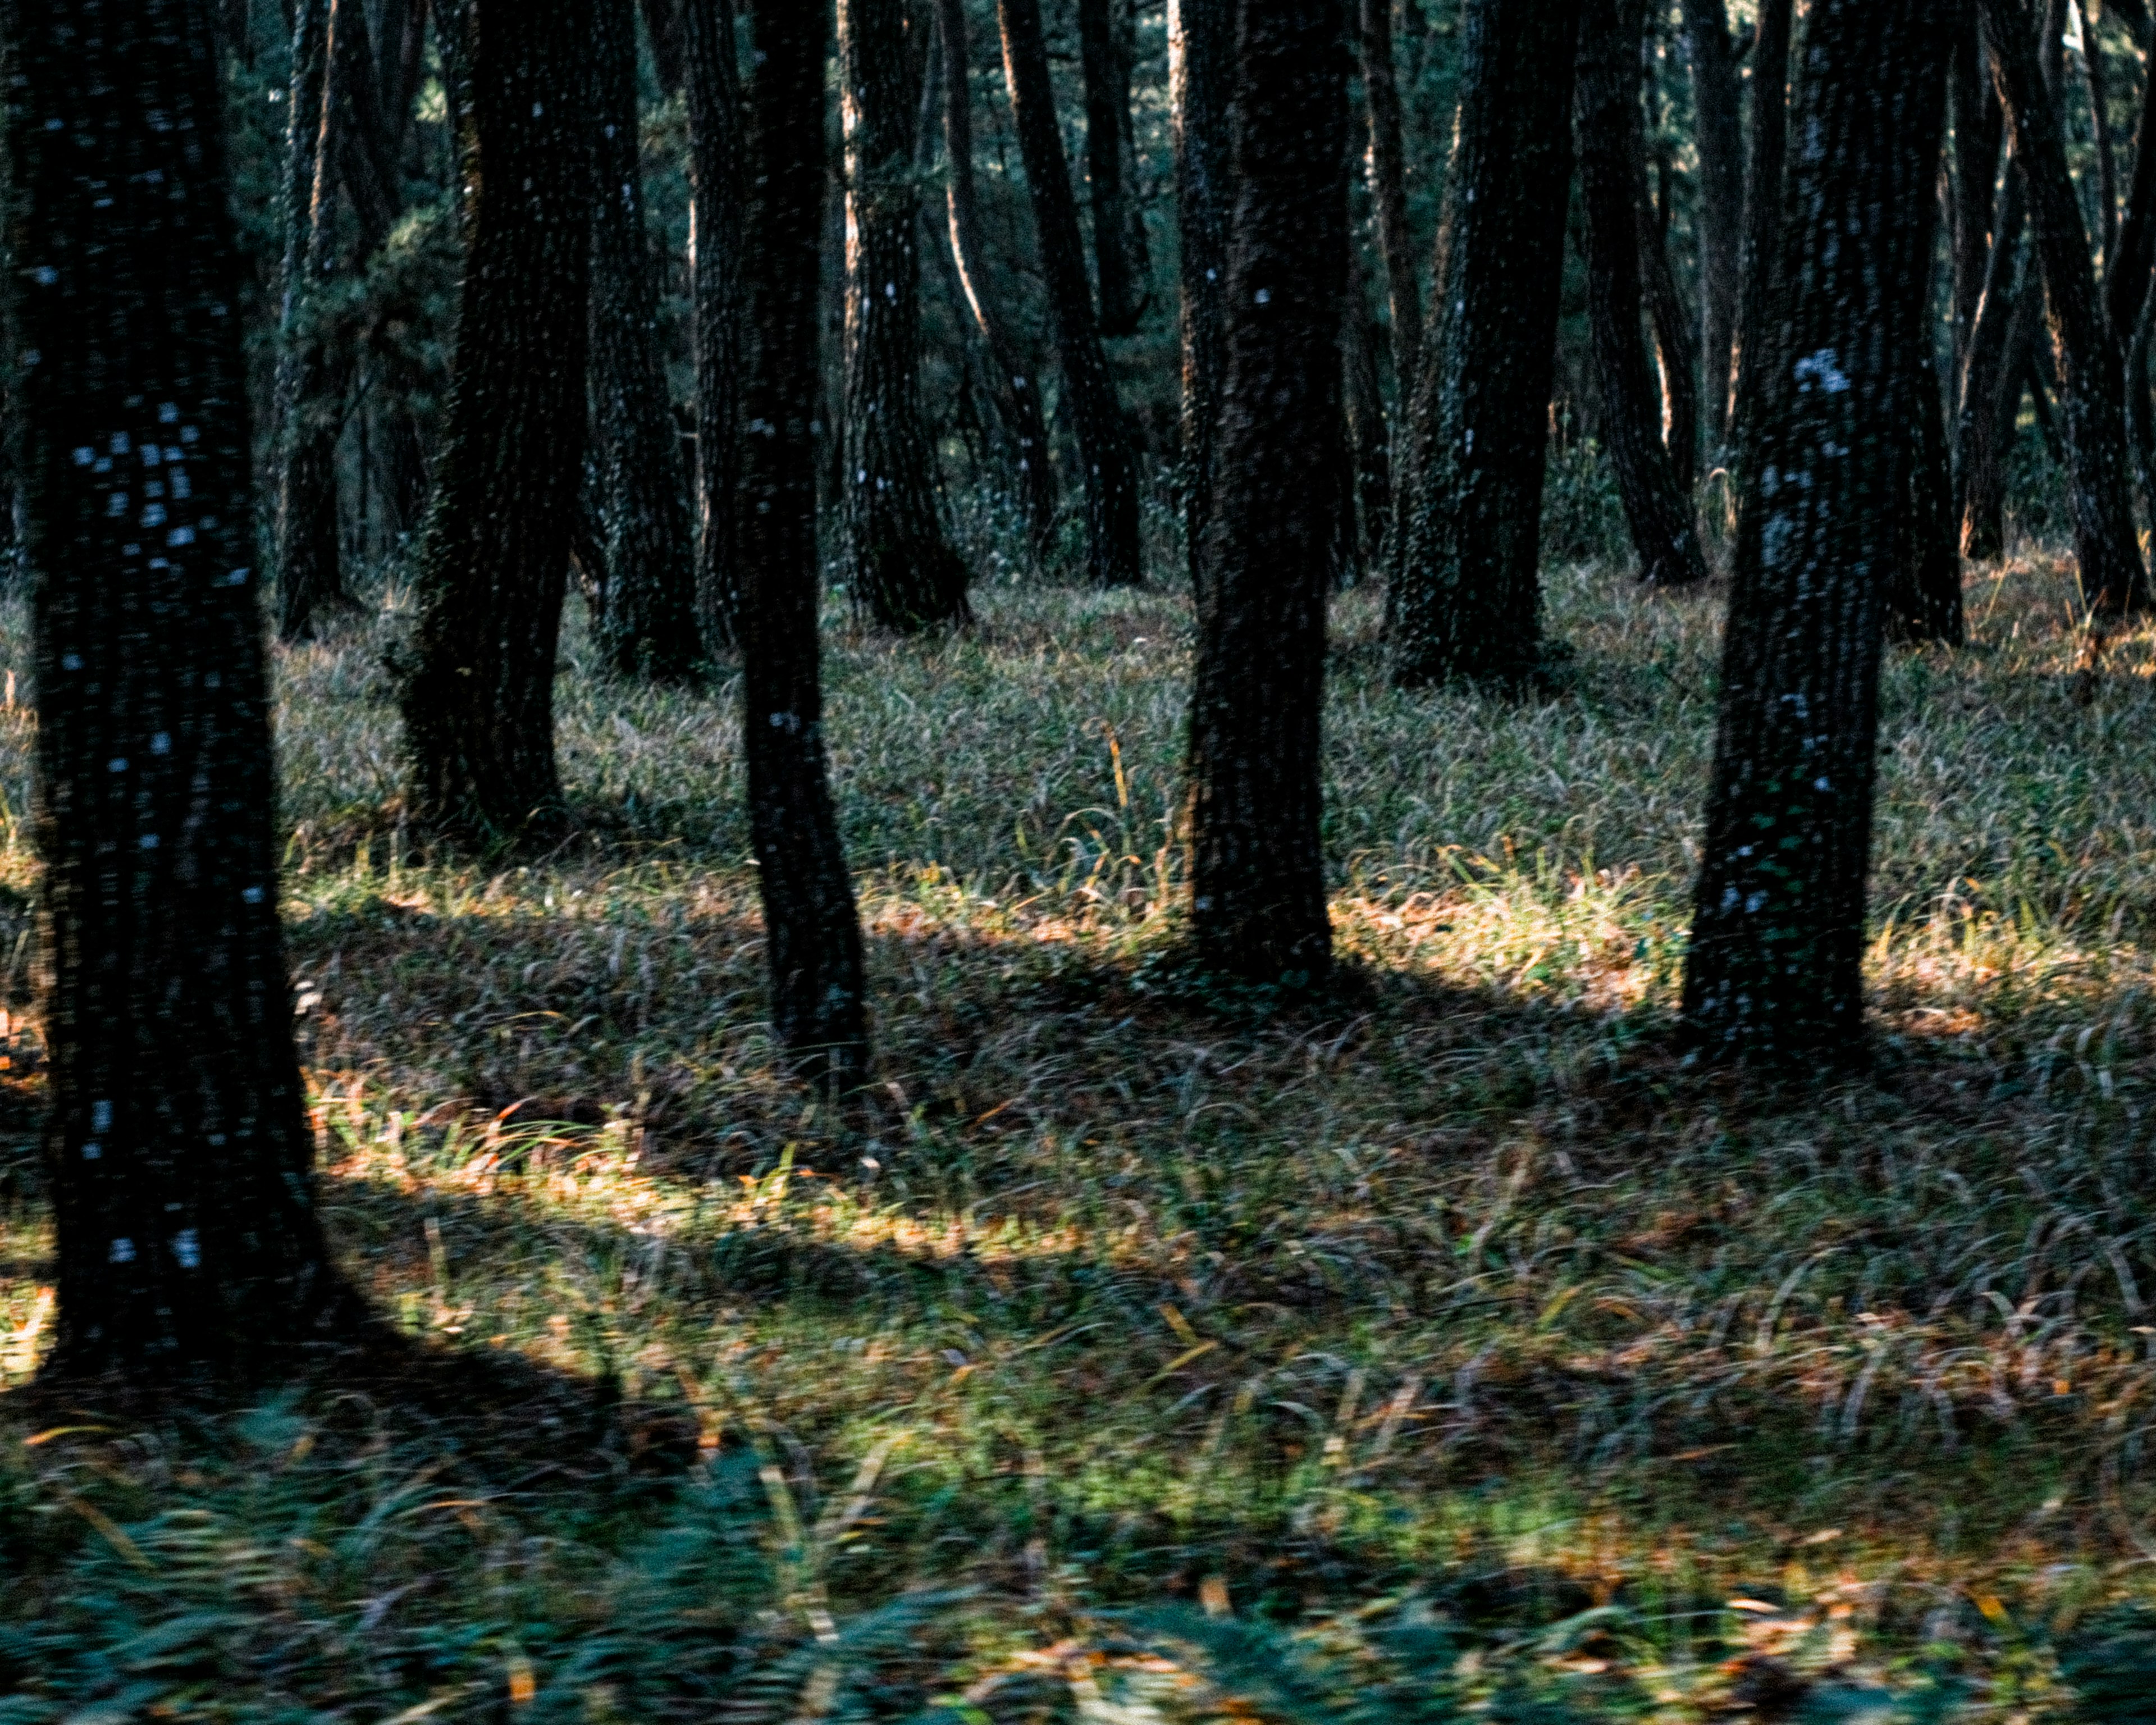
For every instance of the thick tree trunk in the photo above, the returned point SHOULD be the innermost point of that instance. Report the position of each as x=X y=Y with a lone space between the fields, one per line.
x=647 y=627
x=1015 y=384
x=478 y=681
x=903 y=571
x=1717 y=94
x=1389 y=194
x=1775 y=967
x=1107 y=137
x=712 y=80
x=1613 y=189
x=1107 y=462
x=1756 y=362
x=811 y=928
x=1468 y=597
x=1201 y=45
x=1978 y=131
x=2100 y=482
x=177 y=1149
x=1258 y=898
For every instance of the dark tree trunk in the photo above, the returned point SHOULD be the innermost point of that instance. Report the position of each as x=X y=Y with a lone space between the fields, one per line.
x=478 y=679
x=1978 y=130
x=2128 y=264
x=1469 y=599
x=1984 y=423
x=1758 y=313
x=811 y=928
x=2095 y=73
x=666 y=23
x=1258 y=899
x=178 y=1148
x=1923 y=597
x=2091 y=366
x=1368 y=441
x=1775 y=967
x=1717 y=94
x=903 y=571
x=712 y=79
x=1107 y=462
x=1613 y=189
x=1674 y=349
x=1015 y=384
x=1389 y=194
x=1108 y=134
x=1201 y=46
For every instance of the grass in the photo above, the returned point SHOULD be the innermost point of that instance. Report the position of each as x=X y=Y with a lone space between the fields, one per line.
x=1449 y=1349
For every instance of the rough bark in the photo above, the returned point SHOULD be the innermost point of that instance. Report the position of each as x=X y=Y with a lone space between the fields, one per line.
x=1468 y=597
x=1717 y=94
x=1258 y=898
x=1613 y=190
x=1774 y=972
x=1107 y=74
x=1200 y=75
x=477 y=681
x=647 y=627
x=902 y=568
x=178 y=1154
x=712 y=79
x=2113 y=580
x=1107 y=463
x=1389 y=194
x=1754 y=362
x=811 y=928
x=1014 y=382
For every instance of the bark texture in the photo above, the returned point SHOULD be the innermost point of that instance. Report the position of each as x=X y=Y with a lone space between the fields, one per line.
x=1201 y=45
x=1107 y=71
x=178 y=1153
x=811 y=929
x=1717 y=94
x=1107 y=463
x=1389 y=191
x=1258 y=899
x=1774 y=968
x=1468 y=599
x=1613 y=190
x=903 y=571
x=477 y=682
x=712 y=79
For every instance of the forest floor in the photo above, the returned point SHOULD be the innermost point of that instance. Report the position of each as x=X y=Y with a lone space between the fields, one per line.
x=1139 y=1351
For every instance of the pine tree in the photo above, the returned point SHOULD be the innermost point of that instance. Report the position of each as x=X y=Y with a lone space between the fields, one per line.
x=712 y=76
x=1201 y=43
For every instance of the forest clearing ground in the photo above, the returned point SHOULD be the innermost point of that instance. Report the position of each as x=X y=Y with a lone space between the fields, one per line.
x=1115 y=1292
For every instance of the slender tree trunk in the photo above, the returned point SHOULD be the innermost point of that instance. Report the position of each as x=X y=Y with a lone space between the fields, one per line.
x=1675 y=356
x=712 y=79
x=2106 y=547
x=1982 y=426
x=1775 y=967
x=2128 y=264
x=1469 y=599
x=1015 y=382
x=1978 y=131
x=478 y=679
x=647 y=627
x=1108 y=127
x=1368 y=440
x=1613 y=190
x=811 y=928
x=1924 y=587
x=1258 y=898
x=1758 y=313
x=2094 y=72
x=1717 y=94
x=178 y=1150
x=1389 y=194
x=1201 y=45
x=1108 y=463
x=904 y=573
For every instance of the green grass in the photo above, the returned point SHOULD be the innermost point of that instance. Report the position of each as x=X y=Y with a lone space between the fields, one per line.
x=1449 y=1347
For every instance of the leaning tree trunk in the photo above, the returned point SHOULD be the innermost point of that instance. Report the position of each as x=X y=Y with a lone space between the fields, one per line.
x=1257 y=866
x=1774 y=972
x=1675 y=352
x=1468 y=600
x=1718 y=134
x=1756 y=362
x=1108 y=131
x=1613 y=189
x=1978 y=130
x=477 y=683
x=1015 y=386
x=712 y=79
x=1107 y=462
x=903 y=571
x=1201 y=46
x=812 y=931
x=2113 y=580
x=1388 y=193
x=177 y=1149
x=647 y=627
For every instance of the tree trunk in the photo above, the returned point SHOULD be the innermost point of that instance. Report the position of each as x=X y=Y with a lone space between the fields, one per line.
x=1775 y=967
x=2094 y=72
x=2127 y=265
x=178 y=1148
x=1469 y=600
x=1368 y=440
x=712 y=79
x=1978 y=130
x=1389 y=194
x=2091 y=366
x=811 y=928
x=1983 y=427
x=1613 y=189
x=1258 y=898
x=1201 y=45
x=1015 y=384
x=1758 y=314
x=1107 y=130
x=666 y=24
x=1108 y=463
x=1674 y=352
x=902 y=569
x=478 y=680
x=1924 y=587
x=1717 y=94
